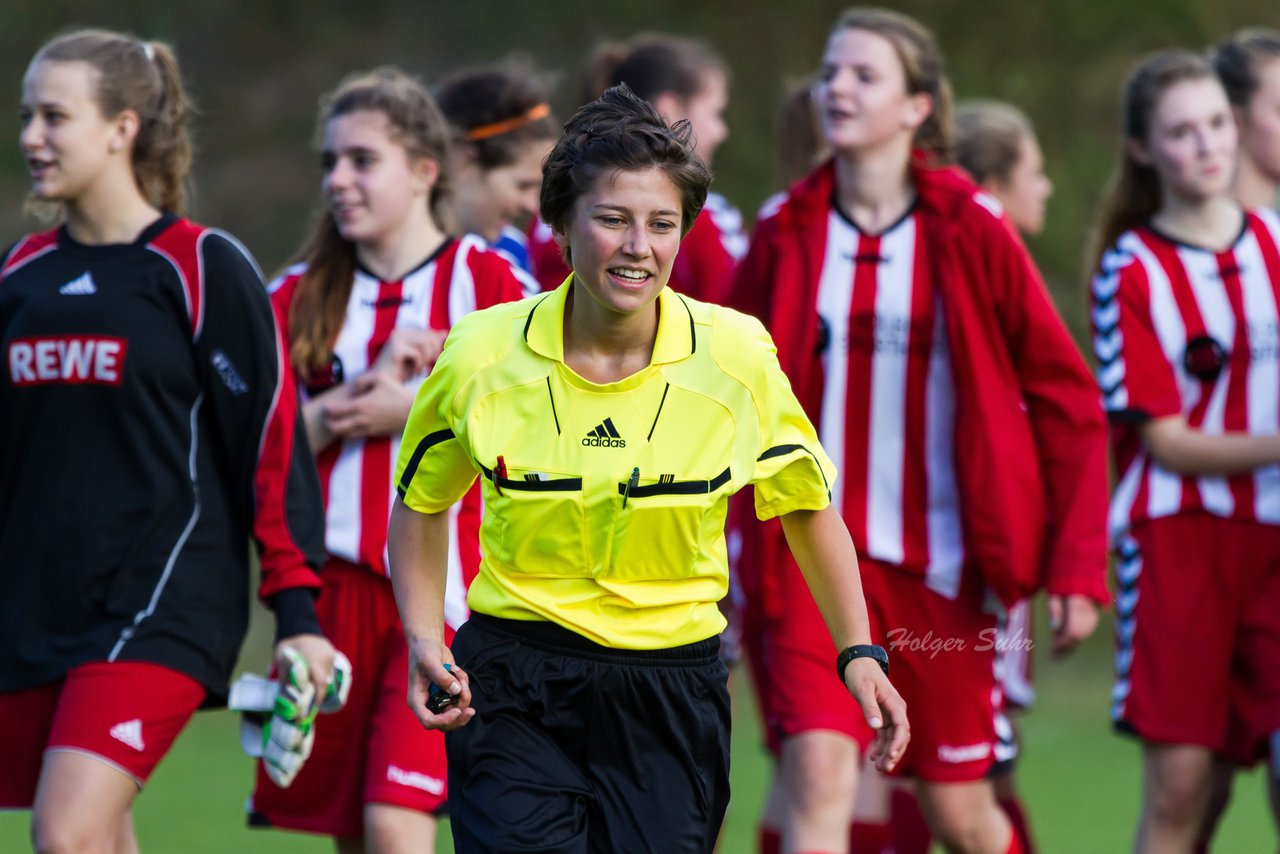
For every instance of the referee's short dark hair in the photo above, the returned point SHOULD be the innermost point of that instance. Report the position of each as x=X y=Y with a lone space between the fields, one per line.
x=621 y=132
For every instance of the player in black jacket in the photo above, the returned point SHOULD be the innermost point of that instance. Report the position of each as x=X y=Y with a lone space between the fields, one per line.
x=147 y=432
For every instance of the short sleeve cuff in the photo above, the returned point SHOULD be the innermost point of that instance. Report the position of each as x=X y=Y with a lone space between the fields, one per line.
x=766 y=510
x=1140 y=414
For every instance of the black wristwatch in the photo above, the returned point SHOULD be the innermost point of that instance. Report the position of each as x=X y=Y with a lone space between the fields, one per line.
x=862 y=650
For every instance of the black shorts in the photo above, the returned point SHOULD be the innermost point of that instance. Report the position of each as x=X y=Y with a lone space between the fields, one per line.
x=577 y=747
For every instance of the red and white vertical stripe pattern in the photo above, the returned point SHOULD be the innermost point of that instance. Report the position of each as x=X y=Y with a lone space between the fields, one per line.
x=888 y=406
x=1189 y=294
x=357 y=475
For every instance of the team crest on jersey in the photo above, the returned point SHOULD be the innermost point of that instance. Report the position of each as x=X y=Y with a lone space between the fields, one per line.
x=67 y=359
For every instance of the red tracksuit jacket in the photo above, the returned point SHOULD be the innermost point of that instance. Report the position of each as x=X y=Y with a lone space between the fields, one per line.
x=1031 y=452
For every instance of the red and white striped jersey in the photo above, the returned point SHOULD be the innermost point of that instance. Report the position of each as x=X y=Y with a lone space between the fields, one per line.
x=888 y=403
x=1180 y=329
x=356 y=474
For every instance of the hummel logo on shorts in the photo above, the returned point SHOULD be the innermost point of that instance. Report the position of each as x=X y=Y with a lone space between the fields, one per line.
x=604 y=436
x=130 y=733
x=430 y=785
x=81 y=286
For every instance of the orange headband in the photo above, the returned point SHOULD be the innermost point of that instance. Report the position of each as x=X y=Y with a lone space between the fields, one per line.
x=540 y=111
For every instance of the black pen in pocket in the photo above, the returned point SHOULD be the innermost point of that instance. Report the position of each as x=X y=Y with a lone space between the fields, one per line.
x=632 y=483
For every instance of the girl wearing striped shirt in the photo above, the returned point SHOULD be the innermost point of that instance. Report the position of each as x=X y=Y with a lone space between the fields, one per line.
x=366 y=309
x=1187 y=338
x=922 y=342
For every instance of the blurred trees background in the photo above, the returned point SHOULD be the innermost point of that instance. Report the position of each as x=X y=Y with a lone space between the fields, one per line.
x=256 y=70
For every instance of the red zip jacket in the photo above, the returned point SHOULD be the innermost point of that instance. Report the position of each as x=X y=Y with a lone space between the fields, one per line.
x=1031 y=452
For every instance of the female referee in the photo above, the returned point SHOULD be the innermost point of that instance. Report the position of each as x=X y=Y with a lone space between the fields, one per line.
x=610 y=420
x=919 y=336
x=147 y=413
x=1188 y=348
x=366 y=309
x=684 y=81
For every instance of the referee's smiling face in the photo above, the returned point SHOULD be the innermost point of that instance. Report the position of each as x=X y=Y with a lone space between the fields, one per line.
x=624 y=233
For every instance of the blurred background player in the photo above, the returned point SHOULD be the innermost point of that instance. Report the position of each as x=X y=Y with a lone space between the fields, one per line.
x=147 y=413
x=684 y=81
x=1248 y=64
x=1188 y=349
x=376 y=288
x=504 y=129
x=996 y=145
x=800 y=144
x=911 y=322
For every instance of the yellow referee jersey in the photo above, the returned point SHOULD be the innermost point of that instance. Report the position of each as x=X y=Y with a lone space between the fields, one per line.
x=605 y=504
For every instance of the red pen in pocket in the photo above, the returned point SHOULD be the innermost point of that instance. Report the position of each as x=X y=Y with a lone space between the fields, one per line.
x=499 y=473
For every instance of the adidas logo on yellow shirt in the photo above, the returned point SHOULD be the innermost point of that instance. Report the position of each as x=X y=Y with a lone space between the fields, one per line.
x=604 y=436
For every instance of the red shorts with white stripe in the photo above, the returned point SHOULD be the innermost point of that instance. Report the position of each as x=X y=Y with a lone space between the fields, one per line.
x=941 y=654
x=374 y=750
x=790 y=651
x=1198 y=642
x=942 y=660
x=124 y=713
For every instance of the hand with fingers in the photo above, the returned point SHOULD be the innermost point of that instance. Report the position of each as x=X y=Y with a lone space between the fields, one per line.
x=409 y=352
x=316 y=652
x=431 y=665
x=883 y=708
x=1072 y=618
x=378 y=405
x=311 y=681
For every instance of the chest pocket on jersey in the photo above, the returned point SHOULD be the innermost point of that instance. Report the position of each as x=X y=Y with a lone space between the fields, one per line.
x=661 y=526
x=540 y=522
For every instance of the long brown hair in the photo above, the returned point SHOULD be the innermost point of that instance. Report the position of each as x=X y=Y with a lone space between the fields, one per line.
x=1133 y=195
x=320 y=301
x=922 y=66
x=799 y=134
x=141 y=76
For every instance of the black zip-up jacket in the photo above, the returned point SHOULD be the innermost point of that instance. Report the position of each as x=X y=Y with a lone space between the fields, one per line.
x=147 y=433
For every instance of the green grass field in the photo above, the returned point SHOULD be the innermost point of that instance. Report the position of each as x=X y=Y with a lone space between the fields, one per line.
x=1080 y=781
